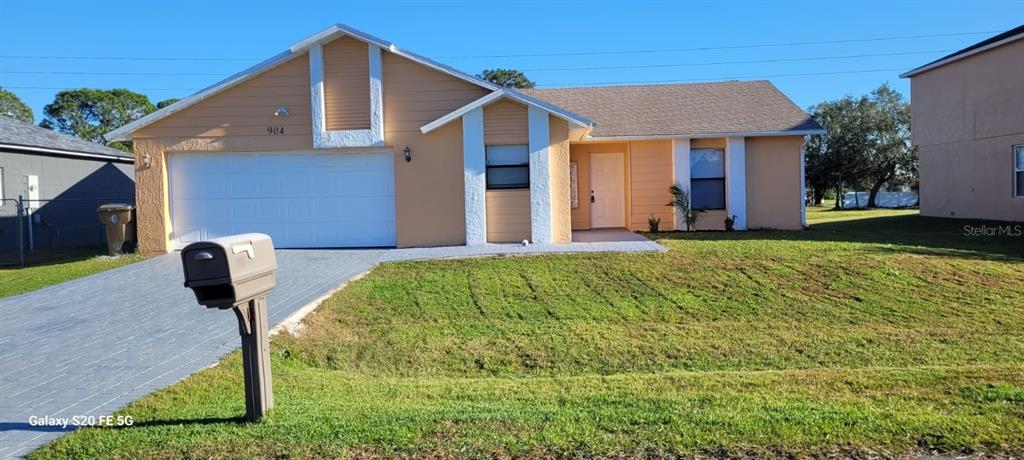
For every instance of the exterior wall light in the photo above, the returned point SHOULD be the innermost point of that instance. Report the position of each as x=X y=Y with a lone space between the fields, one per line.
x=147 y=161
x=281 y=111
x=408 y=153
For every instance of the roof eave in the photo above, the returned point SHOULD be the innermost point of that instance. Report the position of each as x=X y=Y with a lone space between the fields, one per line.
x=637 y=137
x=124 y=133
x=961 y=56
x=501 y=93
x=67 y=153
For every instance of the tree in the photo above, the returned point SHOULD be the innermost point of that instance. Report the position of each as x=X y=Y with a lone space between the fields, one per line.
x=892 y=157
x=90 y=113
x=12 y=106
x=507 y=77
x=166 y=102
x=866 y=145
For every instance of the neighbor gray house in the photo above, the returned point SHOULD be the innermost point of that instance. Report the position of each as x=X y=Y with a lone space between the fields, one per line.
x=62 y=180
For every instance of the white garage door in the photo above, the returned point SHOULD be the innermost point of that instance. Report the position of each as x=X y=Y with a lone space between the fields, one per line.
x=302 y=200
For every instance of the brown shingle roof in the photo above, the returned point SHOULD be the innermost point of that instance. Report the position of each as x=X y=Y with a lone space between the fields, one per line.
x=681 y=109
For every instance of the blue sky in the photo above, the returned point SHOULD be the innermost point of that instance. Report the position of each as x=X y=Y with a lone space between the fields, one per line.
x=232 y=35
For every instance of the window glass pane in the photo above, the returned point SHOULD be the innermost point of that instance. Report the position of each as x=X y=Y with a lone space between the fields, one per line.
x=517 y=177
x=707 y=194
x=707 y=163
x=508 y=155
x=1020 y=183
x=1020 y=157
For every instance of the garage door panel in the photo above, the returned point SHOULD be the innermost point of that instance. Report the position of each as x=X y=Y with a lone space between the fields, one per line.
x=299 y=199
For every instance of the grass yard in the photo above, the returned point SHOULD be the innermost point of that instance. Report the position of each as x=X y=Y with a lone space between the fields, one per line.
x=49 y=267
x=884 y=334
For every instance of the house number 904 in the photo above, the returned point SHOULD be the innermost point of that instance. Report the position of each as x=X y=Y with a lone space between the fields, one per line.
x=275 y=130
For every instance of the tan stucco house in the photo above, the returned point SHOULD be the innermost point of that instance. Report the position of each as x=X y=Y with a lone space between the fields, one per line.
x=968 y=124
x=346 y=140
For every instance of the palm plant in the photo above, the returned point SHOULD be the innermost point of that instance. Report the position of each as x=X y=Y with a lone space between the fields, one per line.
x=681 y=203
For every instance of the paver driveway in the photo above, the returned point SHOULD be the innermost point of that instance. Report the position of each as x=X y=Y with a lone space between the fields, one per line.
x=92 y=345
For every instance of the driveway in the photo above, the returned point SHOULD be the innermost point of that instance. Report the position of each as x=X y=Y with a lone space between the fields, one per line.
x=89 y=346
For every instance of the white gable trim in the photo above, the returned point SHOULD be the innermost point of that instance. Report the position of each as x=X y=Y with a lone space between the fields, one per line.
x=125 y=132
x=515 y=96
x=957 y=57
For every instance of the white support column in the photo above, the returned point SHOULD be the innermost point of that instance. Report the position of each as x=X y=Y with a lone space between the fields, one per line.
x=316 y=91
x=736 y=181
x=681 y=171
x=474 y=171
x=376 y=95
x=540 y=176
x=803 y=183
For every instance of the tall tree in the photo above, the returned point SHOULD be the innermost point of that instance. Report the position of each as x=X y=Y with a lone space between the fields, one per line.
x=837 y=158
x=166 y=102
x=12 y=106
x=90 y=113
x=508 y=78
x=891 y=158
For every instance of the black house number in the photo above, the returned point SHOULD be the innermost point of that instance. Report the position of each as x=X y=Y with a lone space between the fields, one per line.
x=275 y=130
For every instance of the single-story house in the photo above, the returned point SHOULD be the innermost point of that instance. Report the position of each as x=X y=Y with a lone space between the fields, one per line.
x=61 y=180
x=346 y=140
x=968 y=125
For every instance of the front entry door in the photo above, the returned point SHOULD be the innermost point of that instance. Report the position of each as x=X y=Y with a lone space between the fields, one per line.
x=607 y=190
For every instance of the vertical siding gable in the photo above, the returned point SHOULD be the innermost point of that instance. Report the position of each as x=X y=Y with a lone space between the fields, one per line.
x=506 y=122
x=346 y=84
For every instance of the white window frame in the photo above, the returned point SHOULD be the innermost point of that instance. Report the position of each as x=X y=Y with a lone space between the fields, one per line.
x=1018 y=150
x=1 y=183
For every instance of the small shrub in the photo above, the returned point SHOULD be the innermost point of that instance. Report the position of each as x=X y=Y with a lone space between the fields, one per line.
x=653 y=223
x=681 y=203
x=730 y=223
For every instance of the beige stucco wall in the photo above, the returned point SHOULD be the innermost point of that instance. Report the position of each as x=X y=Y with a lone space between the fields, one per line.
x=967 y=116
x=558 y=151
x=428 y=190
x=773 y=182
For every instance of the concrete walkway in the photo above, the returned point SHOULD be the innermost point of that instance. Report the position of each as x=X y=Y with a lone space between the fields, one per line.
x=92 y=345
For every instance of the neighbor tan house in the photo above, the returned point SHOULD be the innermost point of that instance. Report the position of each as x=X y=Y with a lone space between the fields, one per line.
x=968 y=123
x=345 y=140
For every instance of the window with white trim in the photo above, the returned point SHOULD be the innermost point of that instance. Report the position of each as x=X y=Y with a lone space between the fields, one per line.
x=707 y=179
x=508 y=167
x=1018 y=171
x=1 y=183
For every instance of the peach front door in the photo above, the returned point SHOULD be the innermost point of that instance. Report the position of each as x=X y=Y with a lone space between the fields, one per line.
x=607 y=190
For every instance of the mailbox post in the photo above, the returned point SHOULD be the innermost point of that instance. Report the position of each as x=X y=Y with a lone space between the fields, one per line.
x=237 y=272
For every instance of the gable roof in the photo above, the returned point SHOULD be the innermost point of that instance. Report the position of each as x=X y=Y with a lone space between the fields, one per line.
x=124 y=133
x=1009 y=36
x=507 y=93
x=693 y=109
x=25 y=137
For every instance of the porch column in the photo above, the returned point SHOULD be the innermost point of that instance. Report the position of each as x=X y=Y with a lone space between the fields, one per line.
x=681 y=171
x=540 y=176
x=474 y=169
x=736 y=181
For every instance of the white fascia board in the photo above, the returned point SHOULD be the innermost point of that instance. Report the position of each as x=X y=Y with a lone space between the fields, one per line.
x=802 y=132
x=505 y=93
x=459 y=112
x=339 y=29
x=124 y=133
x=957 y=57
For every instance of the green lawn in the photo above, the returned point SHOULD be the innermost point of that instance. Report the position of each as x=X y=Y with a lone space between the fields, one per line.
x=49 y=267
x=884 y=335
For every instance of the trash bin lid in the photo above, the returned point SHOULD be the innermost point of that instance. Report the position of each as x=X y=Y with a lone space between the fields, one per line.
x=115 y=207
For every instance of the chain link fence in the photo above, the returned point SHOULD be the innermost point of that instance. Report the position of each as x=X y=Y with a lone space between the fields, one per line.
x=28 y=227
